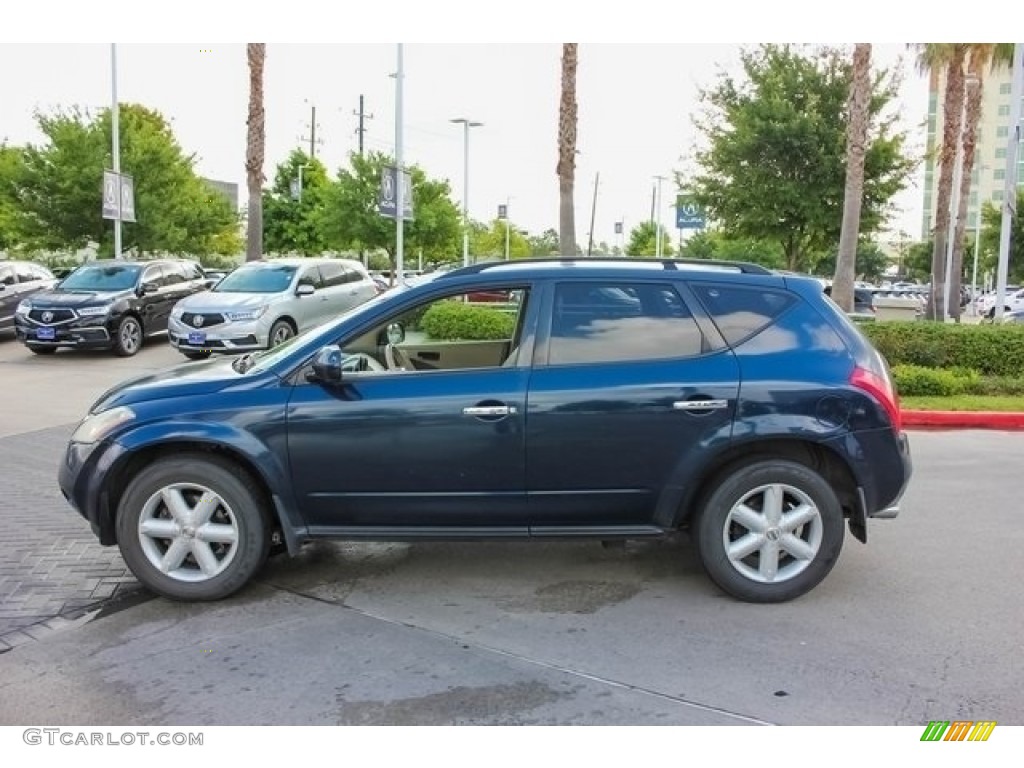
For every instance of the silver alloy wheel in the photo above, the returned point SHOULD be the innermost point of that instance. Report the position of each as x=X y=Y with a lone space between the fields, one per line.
x=131 y=336
x=773 y=533
x=188 y=532
x=281 y=334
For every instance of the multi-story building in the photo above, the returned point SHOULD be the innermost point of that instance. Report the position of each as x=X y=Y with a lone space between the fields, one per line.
x=989 y=176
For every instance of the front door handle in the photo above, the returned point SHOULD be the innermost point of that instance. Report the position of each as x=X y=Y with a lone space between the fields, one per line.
x=700 y=405
x=489 y=410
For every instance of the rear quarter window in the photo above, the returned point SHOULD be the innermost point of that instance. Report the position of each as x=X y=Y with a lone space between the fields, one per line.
x=740 y=312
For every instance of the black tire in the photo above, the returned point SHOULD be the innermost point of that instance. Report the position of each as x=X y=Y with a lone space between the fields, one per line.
x=238 y=509
x=196 y=355
x=821 y=535
x=43 y=350
x=129 y=336
x=280 y=331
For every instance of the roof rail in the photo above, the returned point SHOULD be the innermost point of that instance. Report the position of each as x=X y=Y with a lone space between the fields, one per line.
x=745 y=267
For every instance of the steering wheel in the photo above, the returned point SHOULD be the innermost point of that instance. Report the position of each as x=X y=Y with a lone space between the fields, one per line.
x=360 y=362
x=396 y=359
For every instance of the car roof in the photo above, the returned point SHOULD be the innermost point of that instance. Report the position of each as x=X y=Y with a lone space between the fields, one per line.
x=298 y=261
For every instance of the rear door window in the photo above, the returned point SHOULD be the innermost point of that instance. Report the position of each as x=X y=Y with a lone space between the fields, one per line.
x=614 y=322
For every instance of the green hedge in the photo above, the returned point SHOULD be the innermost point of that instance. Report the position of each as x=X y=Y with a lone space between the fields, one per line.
x=918 y=381
x=992 y=350
x=455 y=321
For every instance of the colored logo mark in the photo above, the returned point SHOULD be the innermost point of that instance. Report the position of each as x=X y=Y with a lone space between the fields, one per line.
x=958 y=730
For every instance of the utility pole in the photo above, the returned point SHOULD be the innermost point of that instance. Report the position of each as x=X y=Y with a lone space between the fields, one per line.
x=1010 y=180
x=657 y=242
x=115 y=149
x=361 y=114
x=312 y=139
x=593 y=212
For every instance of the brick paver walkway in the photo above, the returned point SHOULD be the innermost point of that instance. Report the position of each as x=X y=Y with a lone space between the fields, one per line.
x=52 y=568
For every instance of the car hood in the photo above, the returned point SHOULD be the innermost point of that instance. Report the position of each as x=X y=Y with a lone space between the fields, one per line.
x=184 y=380
x=212 y=301
x=58 y=299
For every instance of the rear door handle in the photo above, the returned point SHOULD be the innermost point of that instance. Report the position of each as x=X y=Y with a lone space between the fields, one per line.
x=700 y=405
x=489 y=410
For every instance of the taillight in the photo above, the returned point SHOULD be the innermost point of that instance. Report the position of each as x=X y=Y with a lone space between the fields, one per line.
x=881 y=388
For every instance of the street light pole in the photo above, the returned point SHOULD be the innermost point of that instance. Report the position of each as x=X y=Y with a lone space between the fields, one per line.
x=399 y=172
x=115 y=150
x=508 y=225
x=657 y=243
x=974 y=274
x=1010 y=182
x=466 y=125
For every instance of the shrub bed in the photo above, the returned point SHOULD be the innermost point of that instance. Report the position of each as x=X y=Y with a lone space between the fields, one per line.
x=455 y=321
x=992 y=350
x=919 y=381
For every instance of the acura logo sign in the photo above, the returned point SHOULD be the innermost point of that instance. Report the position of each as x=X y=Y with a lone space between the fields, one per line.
x=197 y=321
x=47 y=317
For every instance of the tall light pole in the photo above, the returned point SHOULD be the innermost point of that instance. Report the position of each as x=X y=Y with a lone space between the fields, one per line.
x=977 y=245
x=508 y=225
x=466 y=125
x=115 y=149
x=399 y=171
x=1010 y=182
x=657 y=242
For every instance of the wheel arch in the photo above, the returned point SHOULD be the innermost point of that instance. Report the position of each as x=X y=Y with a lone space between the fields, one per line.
x=284 y=519
x=816 y=456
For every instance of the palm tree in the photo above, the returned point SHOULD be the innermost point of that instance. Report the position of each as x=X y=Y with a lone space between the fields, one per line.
x=933 y=57
x=979 y=55
x=567 y=153
x=255 y=150
x=858 y=116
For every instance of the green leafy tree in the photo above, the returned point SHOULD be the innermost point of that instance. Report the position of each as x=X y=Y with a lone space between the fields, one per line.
x=489 y=243
x=59 y=192
x=715 y=244
x=351 y=219
x=917 y=264
x=293 y=225
x=544 y=244
x=643 y=240
x=991 y=228
x=10 y=173
x=774 y=166
x=870 y=262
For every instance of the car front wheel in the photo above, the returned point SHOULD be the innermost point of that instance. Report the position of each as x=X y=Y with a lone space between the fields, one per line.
x=128 y=339
x=191 y=528
x=770 y=531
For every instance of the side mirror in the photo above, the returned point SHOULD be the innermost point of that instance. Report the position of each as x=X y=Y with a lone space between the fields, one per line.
x=210 y=282
x=396 y=333
x=147 y=288
x=327 y=365
x=305 y=289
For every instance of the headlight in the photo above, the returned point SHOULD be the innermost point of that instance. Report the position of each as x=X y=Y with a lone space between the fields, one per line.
x=177 y=312
x=95 y=428
x=249 y=314
x=93 y=311
x=23 y=308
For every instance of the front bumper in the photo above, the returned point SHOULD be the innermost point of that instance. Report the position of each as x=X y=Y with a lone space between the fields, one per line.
x=82 y=475
x=227 y=337
x=81 y=333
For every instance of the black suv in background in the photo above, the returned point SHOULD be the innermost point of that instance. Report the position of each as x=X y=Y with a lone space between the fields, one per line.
x=18 y=281
x=107 y=305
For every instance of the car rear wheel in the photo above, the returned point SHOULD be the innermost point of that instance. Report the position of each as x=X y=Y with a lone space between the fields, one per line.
x=191 y=528
x=769 y=531
x=196 y=355
x=128 y=340
x=43 y=350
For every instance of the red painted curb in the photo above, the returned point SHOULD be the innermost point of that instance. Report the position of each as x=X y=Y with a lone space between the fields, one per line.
x=963 y=419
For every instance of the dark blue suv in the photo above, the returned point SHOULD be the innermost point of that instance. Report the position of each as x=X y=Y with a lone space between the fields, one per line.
x=549 y=399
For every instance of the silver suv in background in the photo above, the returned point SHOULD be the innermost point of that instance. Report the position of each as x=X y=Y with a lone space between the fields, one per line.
x=263 y=303
x=18 y=281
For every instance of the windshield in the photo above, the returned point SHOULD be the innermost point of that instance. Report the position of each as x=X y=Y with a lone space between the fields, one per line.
x=102 y=277
x=265 y=278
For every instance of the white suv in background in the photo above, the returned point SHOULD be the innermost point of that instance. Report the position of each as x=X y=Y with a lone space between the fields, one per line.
x=263 y=303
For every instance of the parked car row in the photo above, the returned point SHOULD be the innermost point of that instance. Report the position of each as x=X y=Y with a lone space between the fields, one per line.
x=116 y=305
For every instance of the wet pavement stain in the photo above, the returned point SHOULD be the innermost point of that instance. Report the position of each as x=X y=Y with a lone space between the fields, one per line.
x=573 y=597
x=503 y=704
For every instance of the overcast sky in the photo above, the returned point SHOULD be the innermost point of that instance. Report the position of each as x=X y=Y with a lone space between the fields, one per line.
x=636 y=103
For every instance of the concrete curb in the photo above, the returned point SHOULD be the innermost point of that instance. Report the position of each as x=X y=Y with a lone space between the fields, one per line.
x=963 y=420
